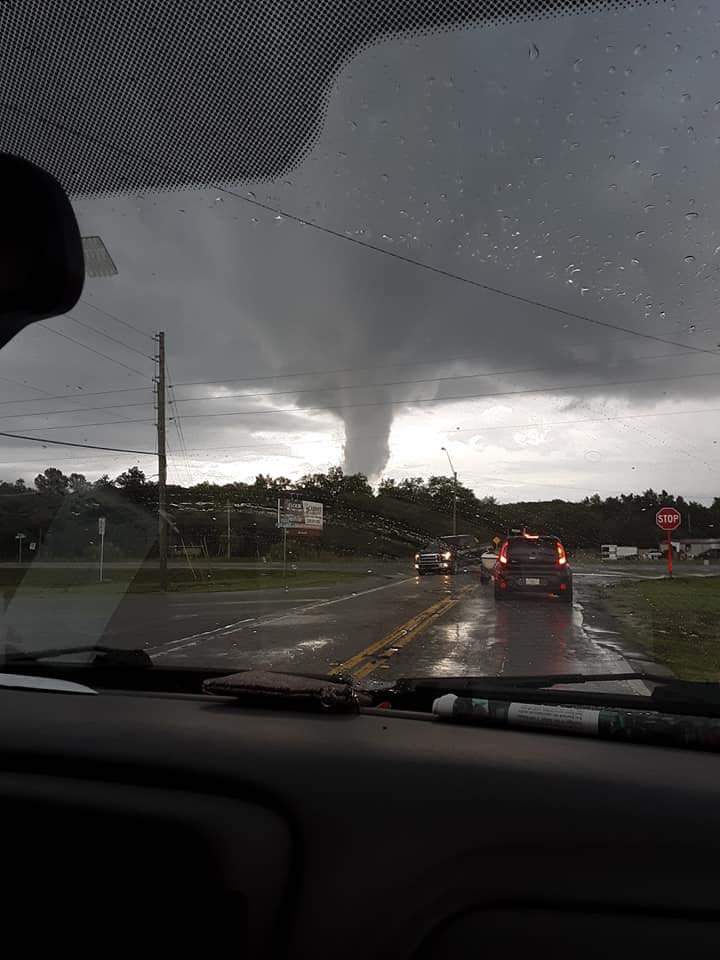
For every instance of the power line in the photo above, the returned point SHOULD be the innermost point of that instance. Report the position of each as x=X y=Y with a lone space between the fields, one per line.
x=68 y=443
x=53 y=413
x=73 y=459
x=478 y=429
x=409 y=401
x=27 y=386
x=106 y=313
x=390 y=366
x=339 y=387
x=91 y=349
x=101 y=423
x=411 y=261
x=467 y=396
x=101 y=333
x=450 y=275
x=68 y=396
x=386 y=383
x=178 y=426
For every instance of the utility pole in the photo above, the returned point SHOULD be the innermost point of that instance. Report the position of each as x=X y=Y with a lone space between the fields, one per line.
x=162 y=464
x=228 y=529
x=454 y=472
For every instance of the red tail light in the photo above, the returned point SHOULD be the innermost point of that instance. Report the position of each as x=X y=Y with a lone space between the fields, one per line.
x=503 y=553
x=562 y=558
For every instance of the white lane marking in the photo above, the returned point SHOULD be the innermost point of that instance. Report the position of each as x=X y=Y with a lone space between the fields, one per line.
x=171 y=646
x=237 y=603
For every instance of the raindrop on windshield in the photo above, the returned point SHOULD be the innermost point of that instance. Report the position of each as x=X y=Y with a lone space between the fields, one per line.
x=689 y=258
x=533 y=51
x=639 y=234
x=691 y=215
x=686 y=98
x=577 y=66
x=640 y=48
x=648 y=207
x=691 y=328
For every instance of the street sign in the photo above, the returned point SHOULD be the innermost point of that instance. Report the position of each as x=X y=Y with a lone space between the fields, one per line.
x=668 y=518
x=20 y=536
x=101 y=531
x=300 y=516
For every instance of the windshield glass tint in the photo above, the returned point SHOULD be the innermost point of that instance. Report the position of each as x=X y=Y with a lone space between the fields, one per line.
x=464 y=286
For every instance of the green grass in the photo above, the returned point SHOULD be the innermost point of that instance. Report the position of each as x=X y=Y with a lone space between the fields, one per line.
x=677 y=621
x=146 y=580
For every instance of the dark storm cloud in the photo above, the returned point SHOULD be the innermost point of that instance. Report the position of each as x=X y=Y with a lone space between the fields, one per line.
x=570 y=162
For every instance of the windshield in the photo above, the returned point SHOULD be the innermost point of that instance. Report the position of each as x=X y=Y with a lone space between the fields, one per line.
x=521 y=550
x=356 y=286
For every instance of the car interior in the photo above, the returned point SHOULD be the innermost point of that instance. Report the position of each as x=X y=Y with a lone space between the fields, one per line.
x=282 y=827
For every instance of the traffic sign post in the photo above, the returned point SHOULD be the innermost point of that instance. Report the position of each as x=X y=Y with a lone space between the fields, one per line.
x=20 y=537
x=668 y=519
x=101 y=531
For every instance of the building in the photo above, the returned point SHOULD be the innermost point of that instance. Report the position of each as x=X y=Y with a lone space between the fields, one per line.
x=692 y=547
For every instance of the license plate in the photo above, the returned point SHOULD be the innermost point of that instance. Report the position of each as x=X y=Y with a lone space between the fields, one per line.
x=532 y=582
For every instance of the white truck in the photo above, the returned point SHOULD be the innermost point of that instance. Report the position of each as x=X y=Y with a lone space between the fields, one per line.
x=613 y=551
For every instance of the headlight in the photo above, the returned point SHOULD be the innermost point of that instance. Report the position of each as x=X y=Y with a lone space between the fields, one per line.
x=446 y=556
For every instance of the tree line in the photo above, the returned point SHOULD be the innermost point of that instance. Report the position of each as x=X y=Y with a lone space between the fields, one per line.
x=58 y=514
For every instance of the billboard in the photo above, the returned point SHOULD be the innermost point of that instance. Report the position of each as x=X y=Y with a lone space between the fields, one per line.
x=304 y=517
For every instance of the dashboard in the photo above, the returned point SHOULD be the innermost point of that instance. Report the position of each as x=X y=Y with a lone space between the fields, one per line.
x=355 y=835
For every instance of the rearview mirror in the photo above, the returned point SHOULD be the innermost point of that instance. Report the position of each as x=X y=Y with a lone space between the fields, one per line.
x=42 y=269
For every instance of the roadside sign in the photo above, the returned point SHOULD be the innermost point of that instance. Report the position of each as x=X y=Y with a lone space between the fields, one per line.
x=20 y=536
x=300 y=516
x=496 y=541
x=101 y=526
x=668 y=519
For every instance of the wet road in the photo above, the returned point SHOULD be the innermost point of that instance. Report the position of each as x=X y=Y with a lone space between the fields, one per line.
x=428 y=626
x=384 y=626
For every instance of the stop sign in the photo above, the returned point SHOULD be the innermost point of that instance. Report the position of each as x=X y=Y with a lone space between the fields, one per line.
x=668 y=518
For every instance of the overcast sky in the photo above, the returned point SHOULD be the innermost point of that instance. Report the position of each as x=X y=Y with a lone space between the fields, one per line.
x=572 y=163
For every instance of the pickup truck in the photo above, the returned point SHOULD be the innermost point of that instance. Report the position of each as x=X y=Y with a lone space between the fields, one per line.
x=436 y=557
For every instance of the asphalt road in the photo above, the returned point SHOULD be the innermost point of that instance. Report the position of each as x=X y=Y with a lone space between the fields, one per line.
x=383 y=627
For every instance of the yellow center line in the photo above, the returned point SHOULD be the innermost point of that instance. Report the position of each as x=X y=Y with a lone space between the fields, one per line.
x=397 y=638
